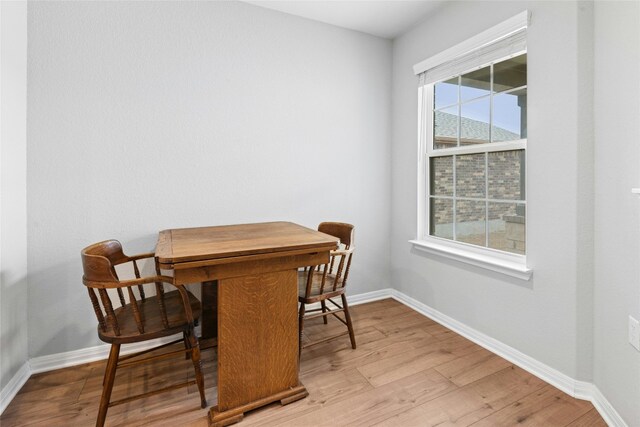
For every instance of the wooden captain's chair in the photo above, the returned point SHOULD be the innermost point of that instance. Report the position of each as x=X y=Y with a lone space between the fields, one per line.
x=140 y=317
x=327 y=282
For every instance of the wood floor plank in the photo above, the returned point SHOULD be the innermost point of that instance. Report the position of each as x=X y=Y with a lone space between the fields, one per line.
x=138 y=379
x=373 y=308
x=590 y=419
x=425 y=354
x=404 y=321
x=363 y=318
x=43 y=399
x=319 y=331
x=377 y=404
x=82 y=413
x=406 y=371
x=365 y=353
x=458 y=346
x=472 y=367
x=472 y=402
x=367 y=338
x=173 y=407
x=324 y=390
x=438 y=331
x=545 y=407
x=58 y=377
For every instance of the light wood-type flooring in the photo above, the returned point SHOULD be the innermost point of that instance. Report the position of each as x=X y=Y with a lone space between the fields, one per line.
x=407 y=371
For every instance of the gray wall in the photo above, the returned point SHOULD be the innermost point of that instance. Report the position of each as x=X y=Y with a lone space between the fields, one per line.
x=13 y=189
x=617 y=214
x=146 y=116
x=538 y=317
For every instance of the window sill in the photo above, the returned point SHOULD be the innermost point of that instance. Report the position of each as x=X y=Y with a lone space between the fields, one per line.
x=509 y=268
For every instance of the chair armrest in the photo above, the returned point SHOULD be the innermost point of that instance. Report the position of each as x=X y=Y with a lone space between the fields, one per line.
x=141 y=256
x=342 y=252
x=132 y=282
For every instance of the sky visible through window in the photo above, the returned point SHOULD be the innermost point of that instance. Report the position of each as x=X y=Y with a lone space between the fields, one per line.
x=506 y=112
x=469 y=97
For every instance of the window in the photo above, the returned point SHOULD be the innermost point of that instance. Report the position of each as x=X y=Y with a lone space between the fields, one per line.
x=473 y=140
x=476 y=150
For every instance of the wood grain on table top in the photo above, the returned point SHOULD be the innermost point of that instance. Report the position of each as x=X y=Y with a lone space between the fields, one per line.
x=202 y=243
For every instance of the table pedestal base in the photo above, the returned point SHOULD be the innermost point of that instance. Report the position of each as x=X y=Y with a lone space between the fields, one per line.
x=232 y=416
x=257 y=343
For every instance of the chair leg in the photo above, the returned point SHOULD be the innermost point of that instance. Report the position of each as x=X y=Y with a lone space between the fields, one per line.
x=197 y=366
x=347 y=316
x=324 y=309
x=109 y=376
x=300 y=327
x=187 y=345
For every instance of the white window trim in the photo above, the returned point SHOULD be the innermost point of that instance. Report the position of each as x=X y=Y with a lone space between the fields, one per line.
x=513 y=265
x=503 y=29
x=499 y=262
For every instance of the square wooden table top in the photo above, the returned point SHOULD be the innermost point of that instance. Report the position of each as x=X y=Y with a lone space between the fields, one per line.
x=204 y=243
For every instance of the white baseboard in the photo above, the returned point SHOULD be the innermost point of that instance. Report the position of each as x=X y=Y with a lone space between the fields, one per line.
x=359 y=298
x=578 y=389
x=86 y=355
x=608 y=412
x=369 y=296
x=13 y=386
x=91 y=354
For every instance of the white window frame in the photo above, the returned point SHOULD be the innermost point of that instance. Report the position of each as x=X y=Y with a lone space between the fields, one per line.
x=513 y=265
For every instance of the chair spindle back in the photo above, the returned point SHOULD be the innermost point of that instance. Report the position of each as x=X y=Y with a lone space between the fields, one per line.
x=339 y=261
x=99 y=261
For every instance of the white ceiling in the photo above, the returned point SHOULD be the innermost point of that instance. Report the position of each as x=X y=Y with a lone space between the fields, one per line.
x=381 y=18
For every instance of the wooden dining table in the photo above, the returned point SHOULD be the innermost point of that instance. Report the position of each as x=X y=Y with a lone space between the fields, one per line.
x=250 y=302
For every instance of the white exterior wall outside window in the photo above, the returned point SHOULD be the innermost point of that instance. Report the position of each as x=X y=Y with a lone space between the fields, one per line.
x=472 y=145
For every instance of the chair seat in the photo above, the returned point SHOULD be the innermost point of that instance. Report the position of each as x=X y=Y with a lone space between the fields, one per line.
x=315 y=294
x=153 y=325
